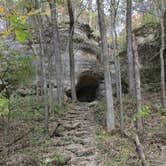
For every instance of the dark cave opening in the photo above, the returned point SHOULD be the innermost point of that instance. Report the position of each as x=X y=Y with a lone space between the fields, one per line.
x=87 y=87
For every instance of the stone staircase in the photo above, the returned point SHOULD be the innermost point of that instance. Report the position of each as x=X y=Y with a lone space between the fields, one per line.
x=75 y=137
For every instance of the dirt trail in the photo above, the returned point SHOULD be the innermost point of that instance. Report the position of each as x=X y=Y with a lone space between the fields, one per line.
x=76 y=137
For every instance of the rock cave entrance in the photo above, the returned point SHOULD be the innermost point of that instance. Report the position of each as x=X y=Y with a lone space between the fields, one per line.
x=87 y=87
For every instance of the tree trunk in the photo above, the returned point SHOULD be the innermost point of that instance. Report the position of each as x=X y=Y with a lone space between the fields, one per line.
x=137 y=84
x=50 y=71
x=71 y=53
x=44 y=80
x=129 y=46
x=56 y=52
x=163 y=95
x=114 y=8
x=107 y=76
x=90 y=13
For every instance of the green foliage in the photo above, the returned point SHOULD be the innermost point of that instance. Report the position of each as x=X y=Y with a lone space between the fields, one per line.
x=59 y=110
x=163 y=111
x=16 y=69
x=4 y=106
x=18 y=23
x=57 y=160
x=26 y=108
x=21 y=70
x=122 y=39
x=143 y=113
x=100 y=112
x=148 y=18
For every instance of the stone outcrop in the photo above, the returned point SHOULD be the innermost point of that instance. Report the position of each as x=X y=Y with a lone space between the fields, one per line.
x=148 y=39
x=86 y=54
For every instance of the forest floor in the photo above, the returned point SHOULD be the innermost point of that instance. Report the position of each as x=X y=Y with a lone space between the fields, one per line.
x=77 y=135
x=115 y=150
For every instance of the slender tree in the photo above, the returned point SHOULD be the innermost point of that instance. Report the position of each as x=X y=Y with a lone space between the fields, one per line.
x=129 y=46
x=114 y=9
x=137 y=84
x=71 y=53
x=43 y=50
x=163 y=94
x=56 y=52
x=107 y=77
x=90 y=13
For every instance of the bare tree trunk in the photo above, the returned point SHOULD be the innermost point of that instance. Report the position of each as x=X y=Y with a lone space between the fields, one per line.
x=71 y=53
x=43 y=51
x=120 y=98
x=90 y=13
x=129 y=46
x=44 y=77
x=163 y=94
x=137 y=84
x=50 y=71
x=114 y=8
x=56 y=52
x=39 y=84
x=108 y=84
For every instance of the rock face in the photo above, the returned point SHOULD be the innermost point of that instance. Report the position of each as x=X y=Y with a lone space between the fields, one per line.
x=148 y=39
x=88 y=70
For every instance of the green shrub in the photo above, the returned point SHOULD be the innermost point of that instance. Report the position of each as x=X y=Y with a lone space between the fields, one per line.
x=59 y=110
x=143 y=113
x=26 y=108
x=100 y=112
x=4 y=106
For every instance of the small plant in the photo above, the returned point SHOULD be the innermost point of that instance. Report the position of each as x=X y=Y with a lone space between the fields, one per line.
x=143 y=113
x=163 y=111
x=57 y=160
x=4 y=109
x=107 y=164
x=26 y=108
x=59 y=110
